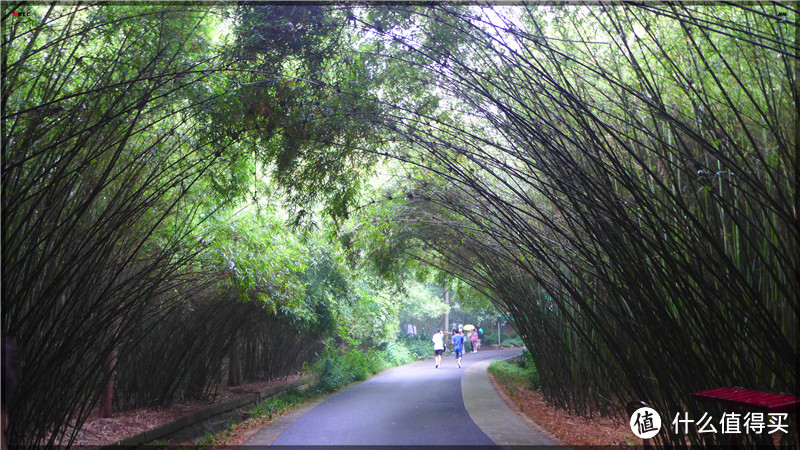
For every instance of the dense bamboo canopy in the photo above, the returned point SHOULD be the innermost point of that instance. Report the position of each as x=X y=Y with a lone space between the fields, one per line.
x=620 y=179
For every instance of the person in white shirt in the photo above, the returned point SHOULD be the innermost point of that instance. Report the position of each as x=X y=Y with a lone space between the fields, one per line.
x=438 y=346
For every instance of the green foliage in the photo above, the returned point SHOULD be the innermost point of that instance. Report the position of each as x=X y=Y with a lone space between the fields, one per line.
x=506 y=339
x=305 y=279
x=471 y=300
x=514 y=375
x=419 y=346
x=298 y=96
x=336 y=368
x=207 y=440
x=513 y=340
x=361 y=308
x=420 y=301
x=397 y=354
x=259 y=259
x=330 y=371
x=279 y=404
x=525 y=361
x=507 y=372
x=386 y=247
x=363 y=364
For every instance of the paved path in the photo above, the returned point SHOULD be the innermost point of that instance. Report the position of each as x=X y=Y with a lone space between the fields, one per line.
x=415 y=404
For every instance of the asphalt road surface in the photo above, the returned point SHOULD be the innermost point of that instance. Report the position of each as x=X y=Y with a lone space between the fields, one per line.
x=415 y=404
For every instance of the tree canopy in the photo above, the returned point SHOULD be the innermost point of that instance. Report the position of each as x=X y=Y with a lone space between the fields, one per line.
x=618 y=179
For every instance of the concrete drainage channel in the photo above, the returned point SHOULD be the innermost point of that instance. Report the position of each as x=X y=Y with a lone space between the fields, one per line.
x=193 y=427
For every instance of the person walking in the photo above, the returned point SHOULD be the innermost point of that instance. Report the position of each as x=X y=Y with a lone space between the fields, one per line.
x=473 y=341
x=480 y=335
x=438 y=346
x=458 y=346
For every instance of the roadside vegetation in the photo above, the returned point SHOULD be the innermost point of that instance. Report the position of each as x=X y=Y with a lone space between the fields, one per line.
x=517 y=373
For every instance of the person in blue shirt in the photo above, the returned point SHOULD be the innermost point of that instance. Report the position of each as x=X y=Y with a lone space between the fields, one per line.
x=458 y=346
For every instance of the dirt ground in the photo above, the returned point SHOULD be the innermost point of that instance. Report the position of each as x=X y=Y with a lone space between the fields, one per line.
x=104 y=431
x=565 y=428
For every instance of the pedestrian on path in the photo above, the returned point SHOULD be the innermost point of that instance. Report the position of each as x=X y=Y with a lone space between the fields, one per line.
x=473 y=341
x=458 y=346
x=438 y=346
x=480 y=335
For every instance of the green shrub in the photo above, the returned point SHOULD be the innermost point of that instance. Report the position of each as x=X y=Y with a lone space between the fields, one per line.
x=533 y=378
x=525 y=360
x=398 y=354
x=377 y=361
x=357 y=365
x=506 y=339
x=360 y=365
x=516 y=374
x=331 y=371
x=489 y=338
x=419 y=346
x=335 y=369
x=506 y=372
x=207 y=440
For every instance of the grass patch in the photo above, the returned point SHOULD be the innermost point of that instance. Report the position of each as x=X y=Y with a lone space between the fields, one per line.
x=280 y=404
x=516 y=373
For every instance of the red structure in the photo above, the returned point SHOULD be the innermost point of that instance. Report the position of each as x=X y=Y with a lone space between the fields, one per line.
x=752 y=400
x=765 y=401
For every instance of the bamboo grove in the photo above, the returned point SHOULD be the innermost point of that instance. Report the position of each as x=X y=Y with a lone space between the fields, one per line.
x=126 y=281
x=619 y=178
x=622 y=181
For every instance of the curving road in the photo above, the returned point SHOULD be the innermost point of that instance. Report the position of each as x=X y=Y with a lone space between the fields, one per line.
x=415 y=404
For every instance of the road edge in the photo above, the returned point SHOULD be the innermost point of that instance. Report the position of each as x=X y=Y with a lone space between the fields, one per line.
x=492 y=415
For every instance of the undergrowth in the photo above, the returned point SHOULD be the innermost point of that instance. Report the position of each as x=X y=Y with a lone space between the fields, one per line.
x=516 y=373
x=418 y=347
x=506 y=339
